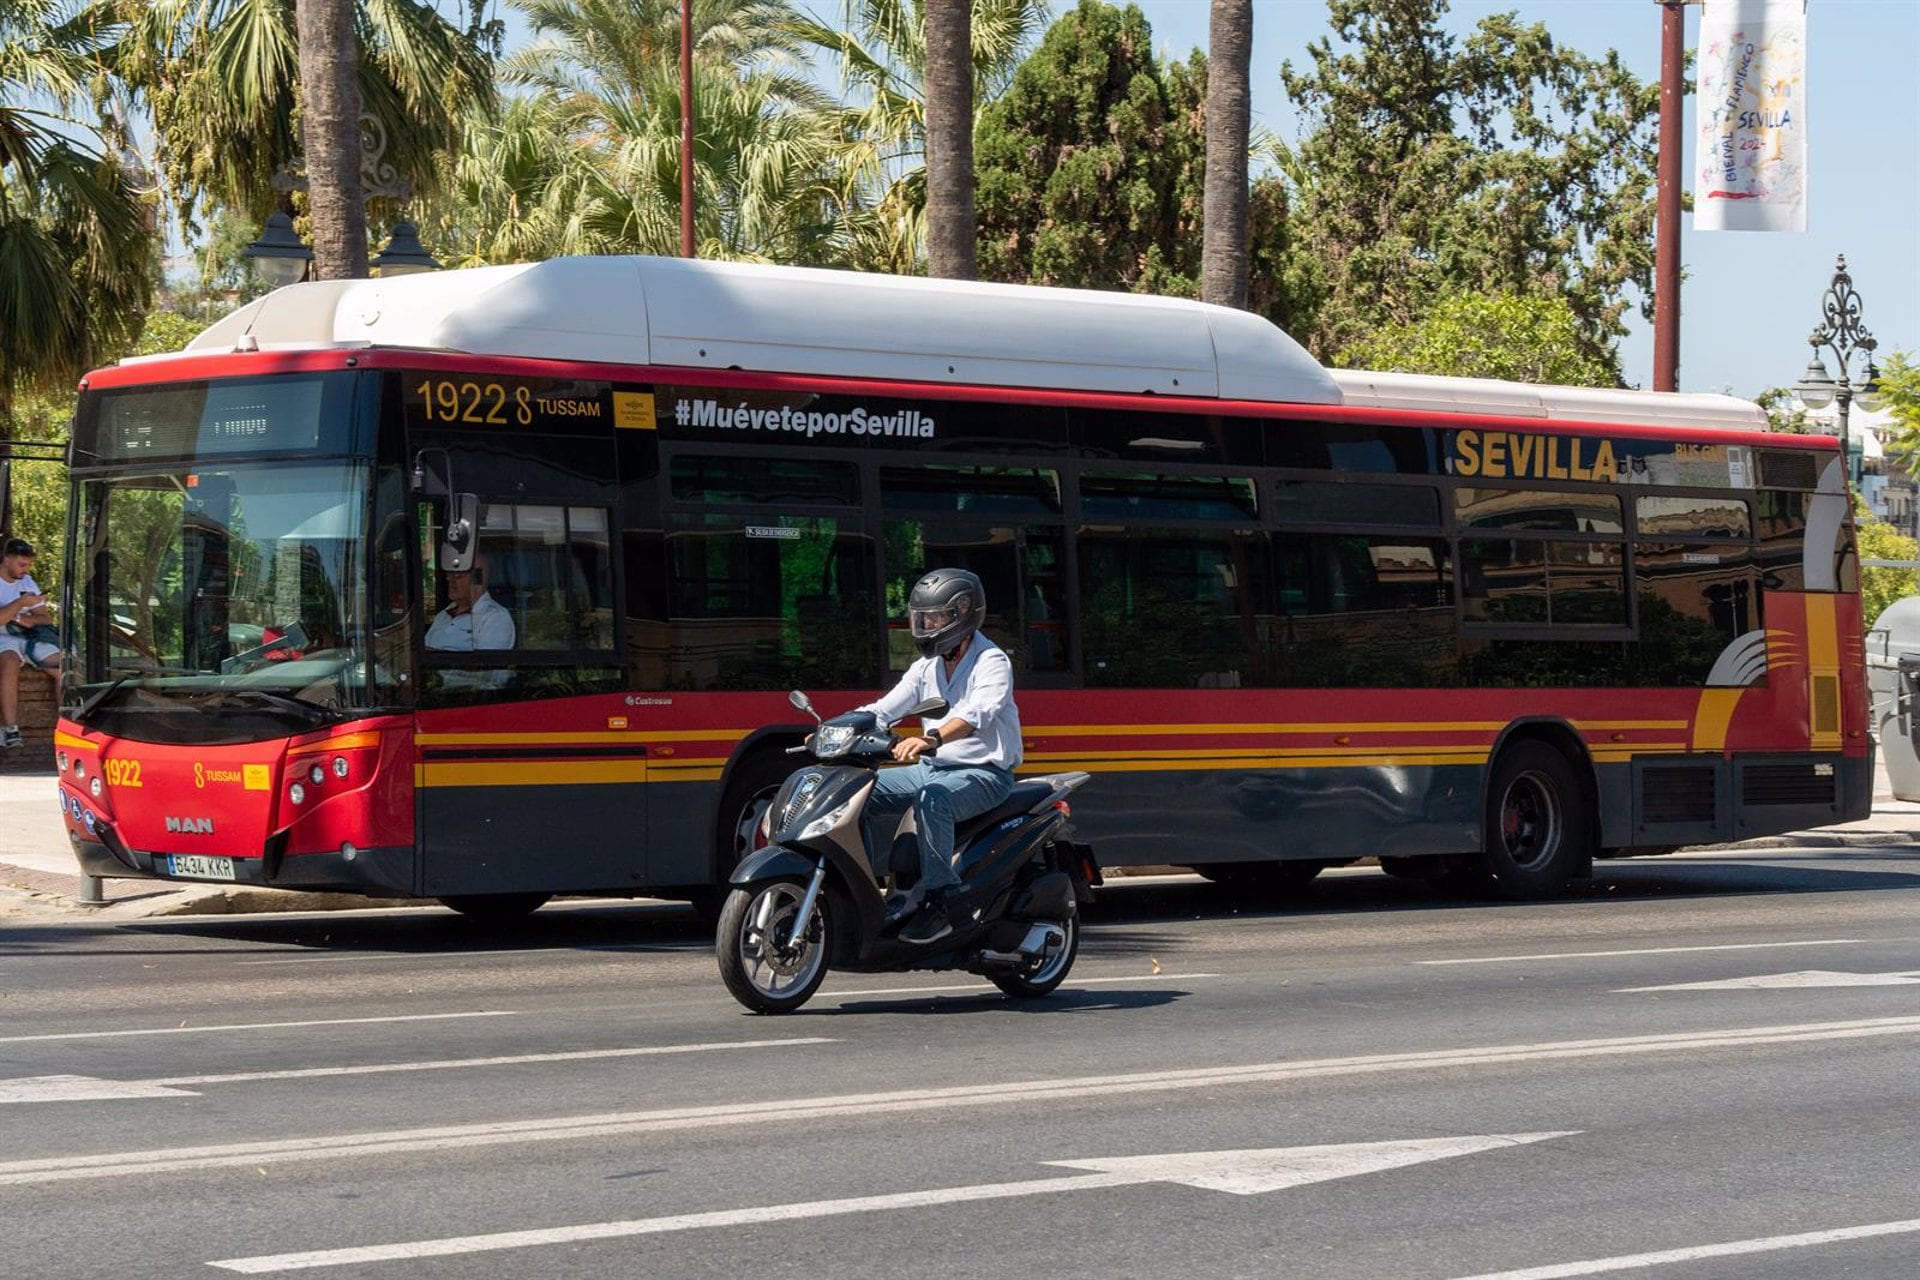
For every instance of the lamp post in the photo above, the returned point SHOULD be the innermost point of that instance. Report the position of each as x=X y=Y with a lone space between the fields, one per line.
x=1841 y=332
x=280 y=255
x=283 y=258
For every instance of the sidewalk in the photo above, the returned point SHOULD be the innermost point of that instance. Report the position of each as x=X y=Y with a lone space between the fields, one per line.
x=37 y=869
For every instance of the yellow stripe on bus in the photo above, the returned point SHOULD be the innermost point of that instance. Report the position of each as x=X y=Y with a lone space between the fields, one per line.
x=64 y=739
x=344 y=743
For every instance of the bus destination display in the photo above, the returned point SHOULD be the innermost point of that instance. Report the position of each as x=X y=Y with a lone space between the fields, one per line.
x=208 y=419
x=481 y=401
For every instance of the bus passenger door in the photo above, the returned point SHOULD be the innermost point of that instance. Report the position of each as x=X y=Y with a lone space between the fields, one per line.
x=531 y=779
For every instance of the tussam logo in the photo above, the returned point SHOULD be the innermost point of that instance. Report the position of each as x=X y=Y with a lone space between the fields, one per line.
x=906 y=424
x=190 y=826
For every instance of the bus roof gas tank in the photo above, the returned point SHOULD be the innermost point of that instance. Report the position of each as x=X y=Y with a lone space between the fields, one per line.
x=687 y=313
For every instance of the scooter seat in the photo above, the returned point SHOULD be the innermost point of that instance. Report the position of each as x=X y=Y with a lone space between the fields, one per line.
x=1023 y=797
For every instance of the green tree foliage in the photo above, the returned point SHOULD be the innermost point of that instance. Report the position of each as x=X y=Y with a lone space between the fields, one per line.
x=76 y=250
x=1783 y=414
x=1432 y=166
x=220 y=78
x=881 y=50
x=1089 y=166
x=607 y=72
x=1526 y=339
x=1876 y=539
x=1900 y=396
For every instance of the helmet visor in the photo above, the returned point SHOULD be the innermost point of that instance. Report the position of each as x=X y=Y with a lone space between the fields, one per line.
x=931 y=622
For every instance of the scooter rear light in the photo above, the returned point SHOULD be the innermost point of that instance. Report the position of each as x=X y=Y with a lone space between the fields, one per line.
x=1066 y=810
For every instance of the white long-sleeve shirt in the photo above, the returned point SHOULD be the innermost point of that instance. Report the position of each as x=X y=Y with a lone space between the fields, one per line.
x=980 y=691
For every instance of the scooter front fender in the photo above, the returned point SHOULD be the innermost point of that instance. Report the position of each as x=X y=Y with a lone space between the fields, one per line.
x=773 y=862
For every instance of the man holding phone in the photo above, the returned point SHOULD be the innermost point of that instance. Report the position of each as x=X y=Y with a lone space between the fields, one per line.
x=24 y=612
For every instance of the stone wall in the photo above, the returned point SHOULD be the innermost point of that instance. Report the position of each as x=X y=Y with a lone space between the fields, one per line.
x=39 y=708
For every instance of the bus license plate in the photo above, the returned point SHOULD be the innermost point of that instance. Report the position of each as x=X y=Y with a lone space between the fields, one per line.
x=192 y=864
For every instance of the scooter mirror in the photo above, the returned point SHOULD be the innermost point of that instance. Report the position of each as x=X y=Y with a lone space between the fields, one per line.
x=931 y=707
x=803 y=703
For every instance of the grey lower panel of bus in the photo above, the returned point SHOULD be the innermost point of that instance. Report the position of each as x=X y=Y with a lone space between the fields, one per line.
x=1682 y=800
x=1181 y=818
x=556 y=838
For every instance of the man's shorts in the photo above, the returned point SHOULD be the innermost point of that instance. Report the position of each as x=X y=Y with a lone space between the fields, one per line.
x=33 y=653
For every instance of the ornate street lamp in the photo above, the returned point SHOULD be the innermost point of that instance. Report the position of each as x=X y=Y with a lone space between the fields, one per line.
x=404 y=254
x=280 y=255
x=1842 y=333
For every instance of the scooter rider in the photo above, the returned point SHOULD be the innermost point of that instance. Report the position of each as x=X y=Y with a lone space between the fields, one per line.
x=969 y=760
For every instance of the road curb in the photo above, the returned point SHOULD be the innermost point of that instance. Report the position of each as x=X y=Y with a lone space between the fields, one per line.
x=1820 y=840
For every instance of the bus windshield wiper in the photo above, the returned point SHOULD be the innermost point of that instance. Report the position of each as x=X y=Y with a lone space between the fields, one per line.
x=93 y=701
x=286 y=702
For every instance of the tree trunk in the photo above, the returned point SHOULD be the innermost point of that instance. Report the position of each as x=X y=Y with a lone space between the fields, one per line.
x=330 y=137
x=951 y=232
x=1223 y=255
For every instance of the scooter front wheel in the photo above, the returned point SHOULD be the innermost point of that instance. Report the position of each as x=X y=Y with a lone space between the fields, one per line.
x=1046 y=973
x=771 y=960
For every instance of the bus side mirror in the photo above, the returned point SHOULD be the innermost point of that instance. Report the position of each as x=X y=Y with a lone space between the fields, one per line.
x=456 y=545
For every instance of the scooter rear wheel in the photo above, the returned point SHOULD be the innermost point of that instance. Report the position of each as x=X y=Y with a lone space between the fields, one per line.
x=771 y=962
x=1046 y=973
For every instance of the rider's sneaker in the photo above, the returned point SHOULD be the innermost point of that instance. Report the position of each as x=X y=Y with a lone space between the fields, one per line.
x=10 y=736
x=931 y=924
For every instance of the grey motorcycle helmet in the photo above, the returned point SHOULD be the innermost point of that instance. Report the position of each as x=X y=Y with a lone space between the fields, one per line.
x=946 y=607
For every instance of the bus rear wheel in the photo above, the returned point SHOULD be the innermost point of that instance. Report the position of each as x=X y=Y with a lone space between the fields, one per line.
x=496 y=907
x=1537 y=831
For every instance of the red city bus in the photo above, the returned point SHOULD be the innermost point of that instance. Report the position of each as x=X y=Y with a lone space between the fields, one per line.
x=1291 y=619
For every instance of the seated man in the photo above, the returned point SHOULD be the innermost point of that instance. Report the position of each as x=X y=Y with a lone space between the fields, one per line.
x=472 y=619
x=26 y=633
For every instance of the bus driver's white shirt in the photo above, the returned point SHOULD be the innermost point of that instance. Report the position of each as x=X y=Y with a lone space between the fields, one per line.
x=980 y=691
x=487 y=625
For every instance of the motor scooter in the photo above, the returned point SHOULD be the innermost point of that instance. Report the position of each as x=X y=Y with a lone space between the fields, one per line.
x=810 y=900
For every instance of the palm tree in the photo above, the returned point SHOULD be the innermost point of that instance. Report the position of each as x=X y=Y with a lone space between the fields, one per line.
x=1223 y=254
x=77 y=252
x=220 y=76
x=330 y=137
x=883 y=60
x=951 y=229
x=766 y=151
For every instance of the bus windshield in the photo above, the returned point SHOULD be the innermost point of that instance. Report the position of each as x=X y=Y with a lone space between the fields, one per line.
x=231 y=588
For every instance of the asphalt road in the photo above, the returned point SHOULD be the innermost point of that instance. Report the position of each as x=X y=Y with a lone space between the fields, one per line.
x=1698 y=1067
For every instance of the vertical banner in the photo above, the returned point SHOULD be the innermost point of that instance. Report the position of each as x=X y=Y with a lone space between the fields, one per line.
x=1751 y=164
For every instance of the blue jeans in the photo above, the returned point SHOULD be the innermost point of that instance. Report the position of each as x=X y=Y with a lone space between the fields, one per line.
x=939 y=797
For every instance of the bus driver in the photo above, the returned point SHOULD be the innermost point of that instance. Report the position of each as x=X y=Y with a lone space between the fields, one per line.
x=472 y=619
x=969 y=760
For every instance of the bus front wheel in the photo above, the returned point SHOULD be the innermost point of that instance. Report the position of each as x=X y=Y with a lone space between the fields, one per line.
x=1537 y=830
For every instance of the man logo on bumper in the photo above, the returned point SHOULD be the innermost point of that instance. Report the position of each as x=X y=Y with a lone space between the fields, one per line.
x=190 y=826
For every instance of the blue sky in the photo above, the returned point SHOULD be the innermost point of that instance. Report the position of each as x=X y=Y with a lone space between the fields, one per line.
x=1749 y=299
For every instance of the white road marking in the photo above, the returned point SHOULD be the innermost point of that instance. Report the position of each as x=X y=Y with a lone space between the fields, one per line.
x=89 y=1089
x=445 y=1064
x=860 y=1106
x=1068 y=985
x=82 y=1089
x=1242 y=1173
x=1731 y=1249
x=1783 y=981
x=1647 y=951
x=256 y=1026
x=410 y=956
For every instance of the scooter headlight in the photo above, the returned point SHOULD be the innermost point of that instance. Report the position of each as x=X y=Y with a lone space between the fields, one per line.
x=831 y=740
x=826 y=822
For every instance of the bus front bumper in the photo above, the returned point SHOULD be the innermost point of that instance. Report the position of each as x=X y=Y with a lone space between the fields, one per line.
x=382 y=873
